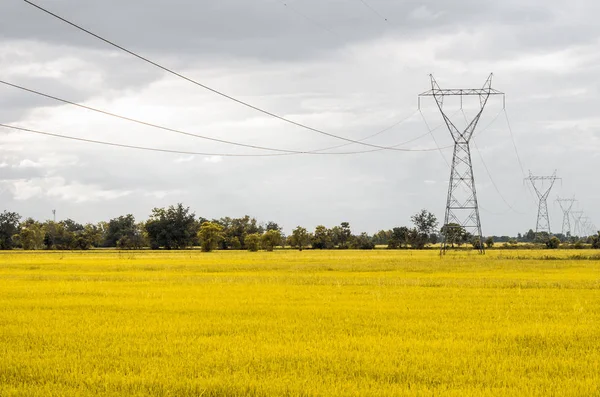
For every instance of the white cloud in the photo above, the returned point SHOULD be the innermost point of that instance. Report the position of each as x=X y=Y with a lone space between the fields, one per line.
x=59 y=188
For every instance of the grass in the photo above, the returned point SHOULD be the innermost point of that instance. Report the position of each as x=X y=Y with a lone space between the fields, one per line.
x=300 y=323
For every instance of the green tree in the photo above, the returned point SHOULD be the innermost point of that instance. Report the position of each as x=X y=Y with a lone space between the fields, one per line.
x=399 y=238
x=57 y=237
x=321 y=238
x=553 y=242
x=121 y=229
x=596 y=241
x=31 y=235
x=172 y=228
x=425 y=224
x=253 y=241
x=454 y=233
x=209 y=235
x=382 y=237
x=529 y=236
x=345 y=235
x=270 y=239
x=363 y=242
x=299 y=238
x=489 y=242
x=9 y=226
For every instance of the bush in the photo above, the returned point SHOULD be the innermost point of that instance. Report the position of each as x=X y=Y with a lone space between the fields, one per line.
x=253 y=242
x=553 y=243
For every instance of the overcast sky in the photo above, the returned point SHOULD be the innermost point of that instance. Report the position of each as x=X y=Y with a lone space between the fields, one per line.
x=335 y=65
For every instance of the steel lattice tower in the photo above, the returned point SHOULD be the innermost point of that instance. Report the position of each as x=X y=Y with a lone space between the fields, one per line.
x=543 y=218
x=577 y=216
x=566 y=205
x=462 y=208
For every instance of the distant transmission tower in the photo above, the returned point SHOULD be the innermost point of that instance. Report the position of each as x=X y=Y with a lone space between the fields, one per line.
x=577 y=216
x=462 y=209
x=543 y=218
x=566 y=205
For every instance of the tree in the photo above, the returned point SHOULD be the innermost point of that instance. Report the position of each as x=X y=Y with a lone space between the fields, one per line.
x=121 y=229
x=345 y=235
x=273 y=226
x=299 y=238
x=9 y=226
x=476 y=243
x=434 y=238
x=363 y=242
x=172 y=228
x=382 y=237
x=596 y=241
x=553 y=243
x=31 y=235
x=530 y=236
x=253 y=241
x=321 y=239
x=454 y=233
x=209 y=235
x=239 y=228
x=399 y=238
x=57 y=236
x=270 y=239
x=489 y=242
x=425 y=224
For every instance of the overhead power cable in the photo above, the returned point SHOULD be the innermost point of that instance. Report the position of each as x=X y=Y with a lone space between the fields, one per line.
x=114 y=144
x=135 y=146
x=487 y=170
x=306 y=17
x=213 y=90
x=373 y=10
x=322 y=151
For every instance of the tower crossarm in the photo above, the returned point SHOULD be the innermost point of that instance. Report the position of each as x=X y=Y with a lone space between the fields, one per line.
x=461 y=92
x=438 y=94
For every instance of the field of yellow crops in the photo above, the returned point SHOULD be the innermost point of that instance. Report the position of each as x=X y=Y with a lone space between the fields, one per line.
x=331 y=323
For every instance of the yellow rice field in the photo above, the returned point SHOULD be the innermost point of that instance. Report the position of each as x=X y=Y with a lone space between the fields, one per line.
x=331 y=323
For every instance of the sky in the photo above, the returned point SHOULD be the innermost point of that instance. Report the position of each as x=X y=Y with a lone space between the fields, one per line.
x=346 y=67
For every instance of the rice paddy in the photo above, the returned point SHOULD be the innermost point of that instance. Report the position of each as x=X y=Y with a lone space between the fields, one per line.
x=311 y=323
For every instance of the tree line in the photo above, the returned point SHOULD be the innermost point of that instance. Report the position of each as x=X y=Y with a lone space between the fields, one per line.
x=176 y=227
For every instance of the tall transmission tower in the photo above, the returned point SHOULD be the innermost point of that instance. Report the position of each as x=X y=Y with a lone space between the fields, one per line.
x=566 y=205
x=462 y=208
x=543 y=218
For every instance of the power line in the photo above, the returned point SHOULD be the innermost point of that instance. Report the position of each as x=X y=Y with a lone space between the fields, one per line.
x=213 y=90
x=290 y=152
x=306 y=17
x=113 y=144
x=487 y=170
x=148 y=124
x=512 y=137
x=134 y=146
x=373 y=10
x=434 y=139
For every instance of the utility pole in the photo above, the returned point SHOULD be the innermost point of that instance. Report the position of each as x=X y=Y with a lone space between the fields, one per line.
x=566 y=205
x=462 y=208
x=543 y=218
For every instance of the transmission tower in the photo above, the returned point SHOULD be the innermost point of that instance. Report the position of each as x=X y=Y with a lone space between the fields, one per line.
x=462 y=209
x=543 y=218
x=566 y=205
x=577 y=216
